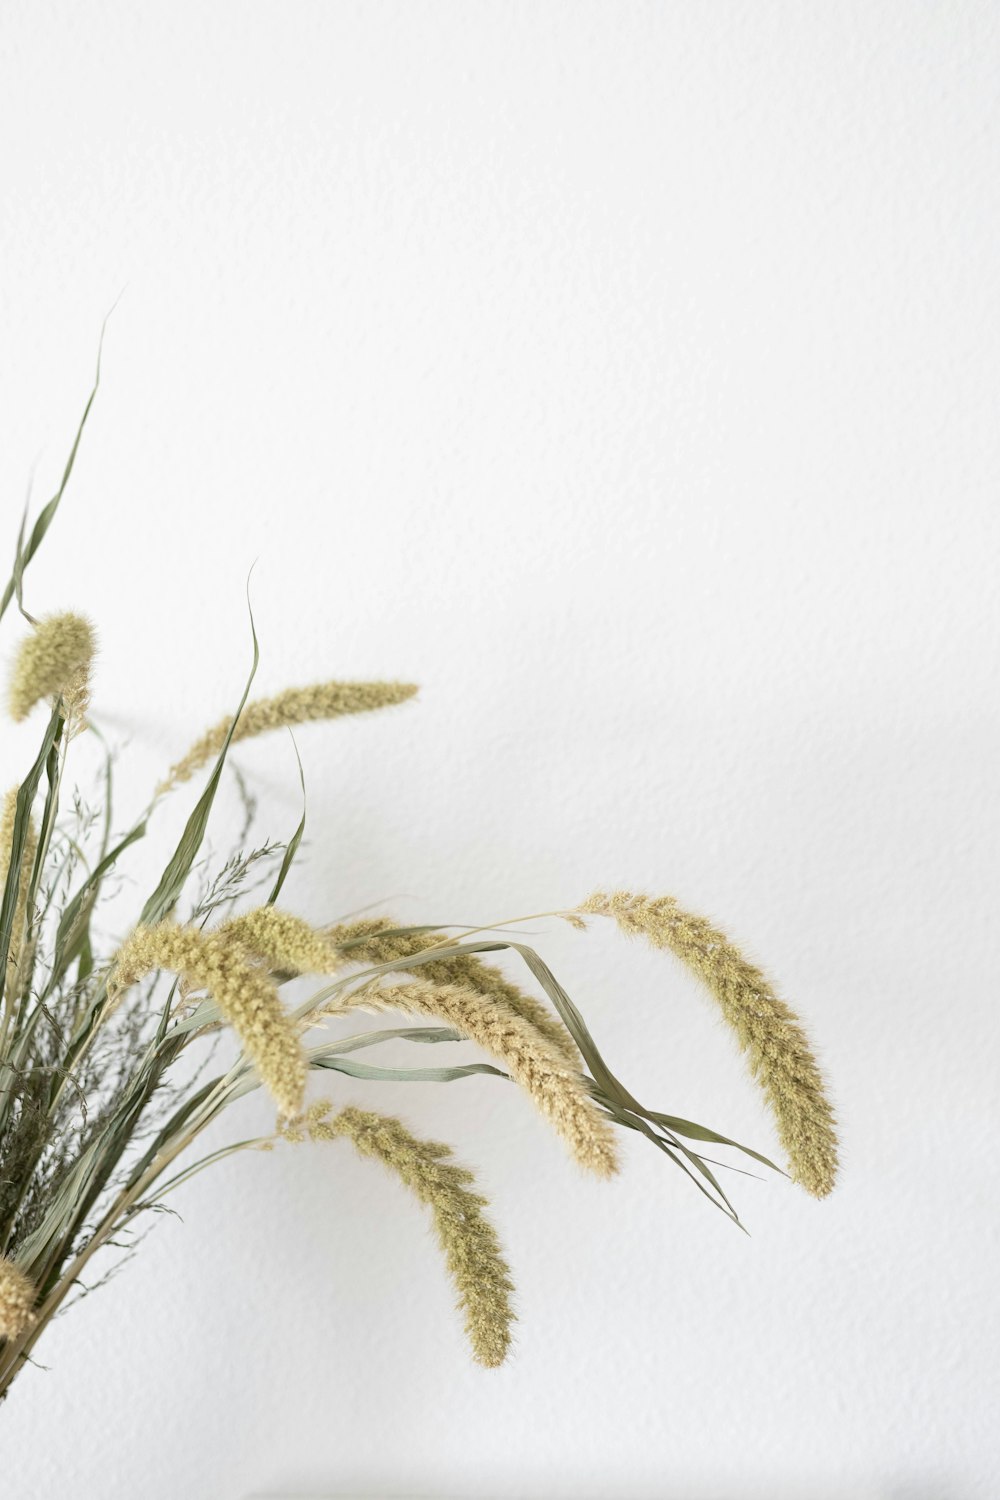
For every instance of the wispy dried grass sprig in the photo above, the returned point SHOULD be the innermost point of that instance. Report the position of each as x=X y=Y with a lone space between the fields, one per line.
x=559 y=1090
x=322 y=700
x=17 y=1300
x=768 y=1031
x=469 y=1241
x=55 y=658
x=15 y=951
x=245 y=996
x=373 y=941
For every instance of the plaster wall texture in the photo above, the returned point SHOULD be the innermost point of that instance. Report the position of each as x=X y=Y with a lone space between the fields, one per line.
x=627 y=375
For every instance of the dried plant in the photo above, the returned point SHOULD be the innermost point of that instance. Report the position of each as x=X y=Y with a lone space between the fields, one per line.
x=105 y=1042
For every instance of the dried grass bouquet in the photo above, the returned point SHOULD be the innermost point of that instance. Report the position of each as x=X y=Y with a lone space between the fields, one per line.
x=109 y=1046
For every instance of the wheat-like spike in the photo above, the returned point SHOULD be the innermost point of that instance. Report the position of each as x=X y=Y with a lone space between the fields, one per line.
x=469 y=1241
x=246 y=997
x=768 y=1031
x=321 y=700
x=559 y=1090
x=7 y=817
x=55 y=658
x=464 y=969
x=17 y=1300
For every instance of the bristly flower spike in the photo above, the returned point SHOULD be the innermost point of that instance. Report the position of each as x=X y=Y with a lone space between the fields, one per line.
x=468 y=1239
x=768 y=1031
x=322 y=700
x=245 y=996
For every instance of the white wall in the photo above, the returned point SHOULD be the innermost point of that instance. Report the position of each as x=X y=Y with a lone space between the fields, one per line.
x=627 y=374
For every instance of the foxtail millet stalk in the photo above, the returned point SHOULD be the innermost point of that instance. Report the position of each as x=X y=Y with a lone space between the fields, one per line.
x=245 y=996
x=287 y=942
x=768 y=1031
x=559 y=1090
x=372 y=941
x=468 y=1239
x=321 y=700
x=554 y=1081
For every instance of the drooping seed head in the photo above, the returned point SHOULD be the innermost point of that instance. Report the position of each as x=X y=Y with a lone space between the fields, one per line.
x=246 y=998
x=768 y=1031
x=557 y=1087
x=372 y=941
x=469 y=1241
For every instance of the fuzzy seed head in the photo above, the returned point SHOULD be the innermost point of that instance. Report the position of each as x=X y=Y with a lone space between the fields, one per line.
x=512 y=1026
x=768 y=1031
x=17 y=1300
x=557 y=1087
x=379 y=945
x=322 y=700
x=245 y=996
x=469 y=1241
x=283 y=940
x=56 y=658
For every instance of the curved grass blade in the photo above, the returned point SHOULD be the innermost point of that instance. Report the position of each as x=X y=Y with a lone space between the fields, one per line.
x=670 y=1148
x=25 y=799
x=694 y=1132
x=292 y=847
x=403 y=1075
x=179 y=867
x=425 y=1034
x=612 y=1094
x=72 y=934
x=46 y=516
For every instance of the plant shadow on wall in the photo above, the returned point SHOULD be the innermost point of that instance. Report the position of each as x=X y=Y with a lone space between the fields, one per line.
x=110 y=1044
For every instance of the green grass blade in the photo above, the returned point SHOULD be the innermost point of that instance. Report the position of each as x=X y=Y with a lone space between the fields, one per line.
x=179 y=867
x=694 y=1132
x=72 y=934
x=425 y=1034
x=25 y=552
x=25 y=799
x=402 y=1075
x=292 y=847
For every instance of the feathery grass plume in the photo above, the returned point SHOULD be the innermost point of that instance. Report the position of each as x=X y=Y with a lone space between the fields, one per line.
x=768 y=1030
x=244 y=994
x=464 y=969
x=559 y=1090
x=55 y=658
x=7 y=816
x=468 y=1239
x=322 y=700
x=17 y=1300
